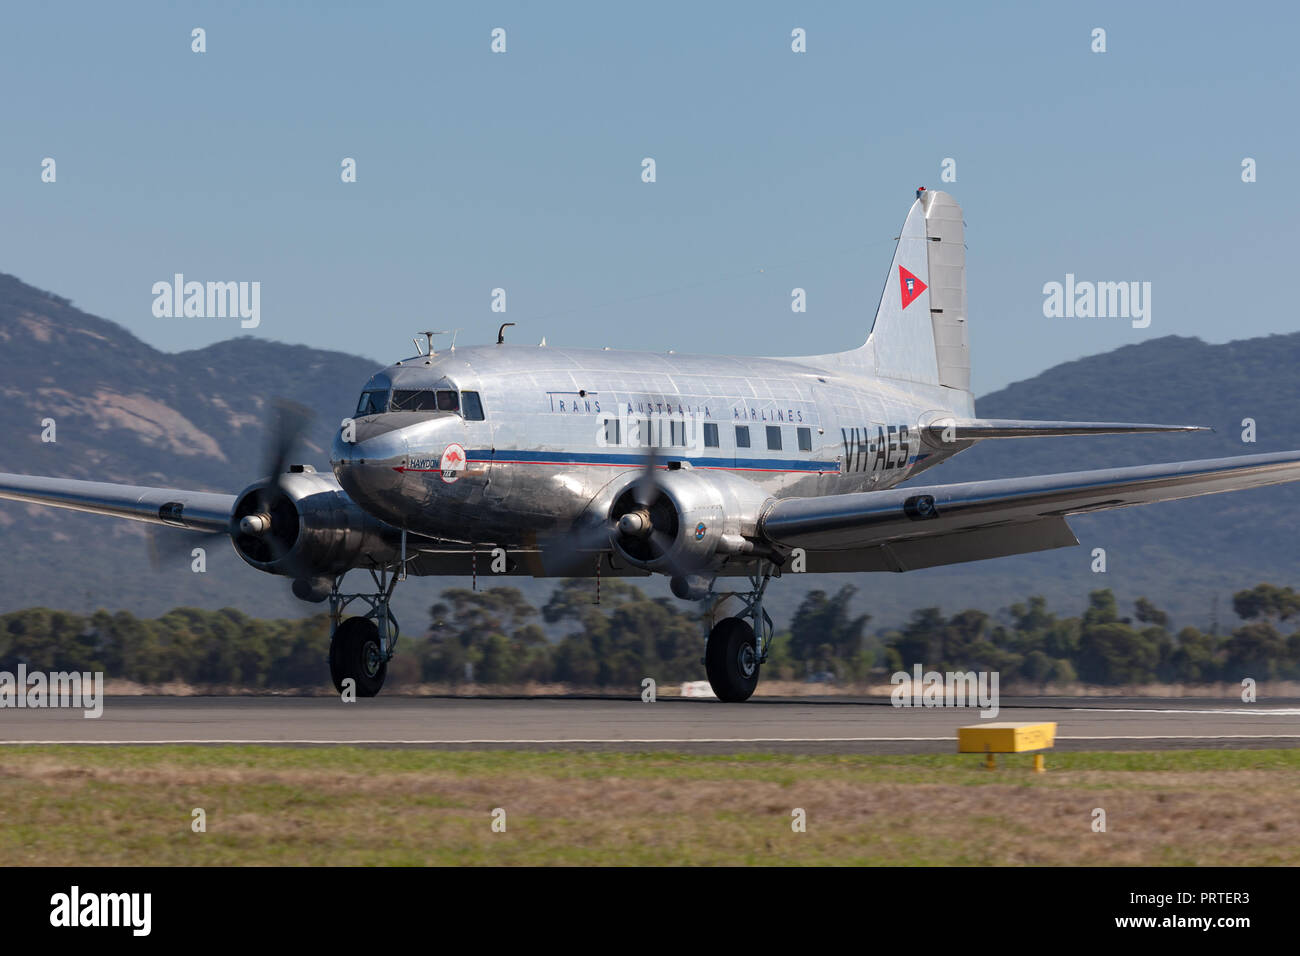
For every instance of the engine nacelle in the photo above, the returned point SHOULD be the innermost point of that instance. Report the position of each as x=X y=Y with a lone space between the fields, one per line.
x=309 y=528
x=688 y=524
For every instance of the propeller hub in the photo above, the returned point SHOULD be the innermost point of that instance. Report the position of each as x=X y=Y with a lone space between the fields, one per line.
x=256 y=524
x=635 y=524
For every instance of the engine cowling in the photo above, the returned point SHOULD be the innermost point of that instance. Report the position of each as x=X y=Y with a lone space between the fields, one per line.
x=685 y=525
x=307 y=528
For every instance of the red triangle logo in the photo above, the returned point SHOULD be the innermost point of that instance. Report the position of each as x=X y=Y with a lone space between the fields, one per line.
x=911 y=286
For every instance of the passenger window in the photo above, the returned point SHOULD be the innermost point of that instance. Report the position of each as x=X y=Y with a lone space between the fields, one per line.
x=710 y=435
x=805 y=439
x=742 y=436
x=774 y=437
x=471 y=406
x=447 y=402
x=677 y=433
x=612 y=431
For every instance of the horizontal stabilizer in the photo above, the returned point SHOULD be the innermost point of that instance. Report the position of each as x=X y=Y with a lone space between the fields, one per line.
x=950 y=430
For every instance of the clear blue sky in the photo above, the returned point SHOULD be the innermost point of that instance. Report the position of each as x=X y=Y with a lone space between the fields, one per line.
x=522 y=170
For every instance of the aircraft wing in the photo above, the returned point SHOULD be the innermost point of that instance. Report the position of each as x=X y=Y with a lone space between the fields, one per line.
x=978 y=429
x=198 y=510
x=1013 y=515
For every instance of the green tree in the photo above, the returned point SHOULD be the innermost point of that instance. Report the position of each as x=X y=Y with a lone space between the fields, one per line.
x=1194 y=659
x=826 y=635
x=489 y=630
x=1255 y=649
x=1266 y=601
x=1148 y=613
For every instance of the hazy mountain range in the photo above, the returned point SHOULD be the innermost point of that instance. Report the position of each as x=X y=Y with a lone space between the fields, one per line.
x=127 y=412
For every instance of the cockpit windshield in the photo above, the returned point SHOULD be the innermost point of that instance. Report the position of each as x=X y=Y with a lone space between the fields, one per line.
x=422 y=400
x=376 y=402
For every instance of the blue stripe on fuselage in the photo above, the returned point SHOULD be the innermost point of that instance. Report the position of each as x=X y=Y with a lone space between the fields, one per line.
x=634 y=460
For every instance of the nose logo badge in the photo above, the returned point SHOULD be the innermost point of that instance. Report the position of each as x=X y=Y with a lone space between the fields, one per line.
x=453 y=462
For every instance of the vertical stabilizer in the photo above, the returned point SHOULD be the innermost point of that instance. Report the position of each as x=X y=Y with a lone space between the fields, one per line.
x=919 y=333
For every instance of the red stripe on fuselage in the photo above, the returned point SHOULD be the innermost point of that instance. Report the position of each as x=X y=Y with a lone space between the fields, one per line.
x=615 y=464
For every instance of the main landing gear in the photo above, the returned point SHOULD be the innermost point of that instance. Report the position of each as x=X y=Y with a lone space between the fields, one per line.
x=361 y=647
x=738 y=645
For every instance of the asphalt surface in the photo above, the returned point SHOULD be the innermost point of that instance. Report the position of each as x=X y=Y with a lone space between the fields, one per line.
x=820 y=725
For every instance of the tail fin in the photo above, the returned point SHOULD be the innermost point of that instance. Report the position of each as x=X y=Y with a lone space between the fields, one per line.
x=919 y=334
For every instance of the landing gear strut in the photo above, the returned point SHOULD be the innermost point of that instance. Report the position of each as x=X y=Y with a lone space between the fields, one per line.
x=361 y=647
x=738 y=645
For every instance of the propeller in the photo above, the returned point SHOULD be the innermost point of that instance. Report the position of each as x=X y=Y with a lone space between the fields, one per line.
x=289 y=423
x=652 y=527
x=171 y=547
x=576 y=546
x=274 y=520
x=646 y=531
x=589 y=536
x=647 y=490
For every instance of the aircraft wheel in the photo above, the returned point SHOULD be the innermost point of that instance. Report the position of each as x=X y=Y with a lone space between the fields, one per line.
x=358 y=652
x=731 y=660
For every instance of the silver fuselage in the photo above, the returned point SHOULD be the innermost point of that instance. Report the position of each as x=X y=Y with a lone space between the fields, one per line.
x=545 y=451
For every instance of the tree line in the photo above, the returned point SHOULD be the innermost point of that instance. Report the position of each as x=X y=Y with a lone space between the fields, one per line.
x=495 y=636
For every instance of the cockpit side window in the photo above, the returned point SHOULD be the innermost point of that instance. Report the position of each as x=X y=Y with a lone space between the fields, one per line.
x=471 y=406
x=373 y=402
x=448 y=402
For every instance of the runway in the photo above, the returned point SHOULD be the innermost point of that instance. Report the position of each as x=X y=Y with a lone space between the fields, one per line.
x=823 y=725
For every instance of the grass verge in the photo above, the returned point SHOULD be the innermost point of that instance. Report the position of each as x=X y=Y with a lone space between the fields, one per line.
x=125 y=805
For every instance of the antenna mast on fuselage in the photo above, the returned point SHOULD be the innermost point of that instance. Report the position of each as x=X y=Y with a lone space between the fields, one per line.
x=428 y=340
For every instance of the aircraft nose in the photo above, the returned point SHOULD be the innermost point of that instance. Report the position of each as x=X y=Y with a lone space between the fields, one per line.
x=355 y=447
x=385 y=462
x=366 y=460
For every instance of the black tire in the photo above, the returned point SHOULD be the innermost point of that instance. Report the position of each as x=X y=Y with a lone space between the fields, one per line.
x=731 y=660
x=357 y=652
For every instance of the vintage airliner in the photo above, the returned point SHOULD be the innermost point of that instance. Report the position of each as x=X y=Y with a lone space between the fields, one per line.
x=556 y=461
